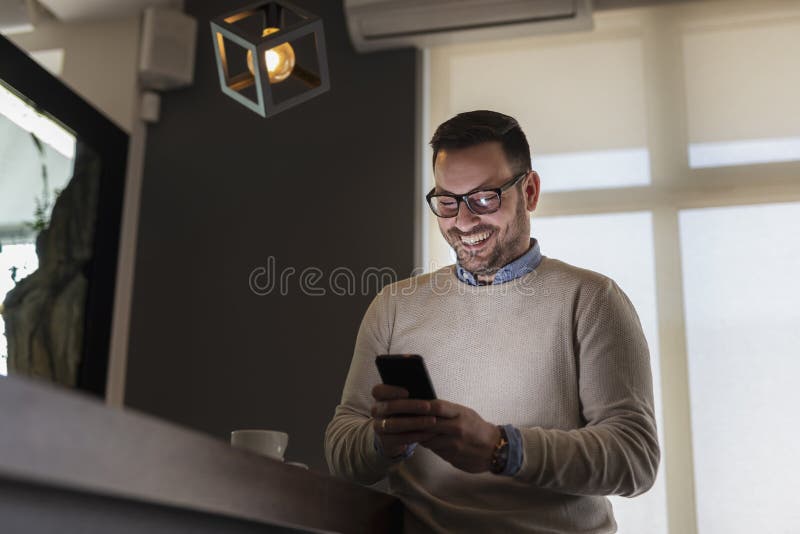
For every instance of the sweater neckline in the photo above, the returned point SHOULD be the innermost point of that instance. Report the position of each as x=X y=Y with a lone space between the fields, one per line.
x=491 y=289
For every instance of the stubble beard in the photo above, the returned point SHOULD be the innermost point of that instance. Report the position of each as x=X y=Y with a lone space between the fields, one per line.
x=503 y=252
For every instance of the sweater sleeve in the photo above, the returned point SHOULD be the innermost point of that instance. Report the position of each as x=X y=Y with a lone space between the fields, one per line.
x=616 y=452
x=349 y=438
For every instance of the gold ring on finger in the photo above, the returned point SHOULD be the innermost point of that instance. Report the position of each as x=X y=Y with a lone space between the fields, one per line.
x=383 y=425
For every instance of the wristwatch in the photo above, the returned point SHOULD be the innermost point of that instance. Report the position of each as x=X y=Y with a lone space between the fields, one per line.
x=500 y=453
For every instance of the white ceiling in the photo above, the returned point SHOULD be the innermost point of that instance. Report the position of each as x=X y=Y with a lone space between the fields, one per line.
x=81 y=10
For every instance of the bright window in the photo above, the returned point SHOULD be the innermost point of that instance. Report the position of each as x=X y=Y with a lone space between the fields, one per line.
x=741 y=290
x=37 y=156
x=639 y=130
x=742 y=82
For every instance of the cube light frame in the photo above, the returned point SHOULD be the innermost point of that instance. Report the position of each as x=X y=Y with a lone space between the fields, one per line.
x=224 y=27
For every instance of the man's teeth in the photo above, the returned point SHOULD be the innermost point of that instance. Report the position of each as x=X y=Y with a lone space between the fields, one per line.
x=474 y=239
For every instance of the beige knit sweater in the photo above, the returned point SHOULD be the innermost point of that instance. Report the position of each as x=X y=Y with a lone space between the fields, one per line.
x=559 y=353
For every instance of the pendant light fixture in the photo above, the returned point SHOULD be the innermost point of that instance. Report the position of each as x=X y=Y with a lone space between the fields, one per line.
x=270 y=56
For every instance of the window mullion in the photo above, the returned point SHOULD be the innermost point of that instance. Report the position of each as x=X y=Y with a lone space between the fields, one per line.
x=667 y=137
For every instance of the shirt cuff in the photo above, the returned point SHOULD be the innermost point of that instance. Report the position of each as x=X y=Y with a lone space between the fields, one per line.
x=515 y=450
x=403 y=456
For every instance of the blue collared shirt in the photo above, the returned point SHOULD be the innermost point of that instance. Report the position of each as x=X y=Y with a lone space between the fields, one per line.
x=523 y=265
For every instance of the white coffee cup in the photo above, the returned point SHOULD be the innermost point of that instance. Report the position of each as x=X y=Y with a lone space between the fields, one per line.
x=270 y=443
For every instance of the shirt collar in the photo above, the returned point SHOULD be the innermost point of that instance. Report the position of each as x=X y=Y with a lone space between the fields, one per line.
x=519 y=267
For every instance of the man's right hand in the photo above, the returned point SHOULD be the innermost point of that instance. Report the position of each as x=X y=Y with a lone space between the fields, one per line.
x=399 y=421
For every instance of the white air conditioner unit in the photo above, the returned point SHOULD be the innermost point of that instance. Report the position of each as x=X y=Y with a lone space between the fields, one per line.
x=383 y=24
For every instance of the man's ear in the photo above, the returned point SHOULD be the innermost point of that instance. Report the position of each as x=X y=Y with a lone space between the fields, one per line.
x=532 y=190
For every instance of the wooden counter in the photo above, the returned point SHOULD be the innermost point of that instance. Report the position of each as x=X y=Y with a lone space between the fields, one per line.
x=61 y=441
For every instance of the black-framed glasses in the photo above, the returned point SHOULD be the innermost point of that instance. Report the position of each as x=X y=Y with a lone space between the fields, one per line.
x=479 y=202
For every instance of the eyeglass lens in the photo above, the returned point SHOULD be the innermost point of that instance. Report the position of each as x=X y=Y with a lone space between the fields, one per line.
x=480 y=202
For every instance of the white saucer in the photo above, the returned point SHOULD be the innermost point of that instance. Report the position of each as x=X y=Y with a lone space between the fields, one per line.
x=297 y=464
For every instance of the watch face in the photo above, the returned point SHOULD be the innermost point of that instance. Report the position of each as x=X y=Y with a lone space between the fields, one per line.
x=500 y=454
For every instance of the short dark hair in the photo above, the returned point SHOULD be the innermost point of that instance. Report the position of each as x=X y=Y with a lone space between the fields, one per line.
x=482 y=126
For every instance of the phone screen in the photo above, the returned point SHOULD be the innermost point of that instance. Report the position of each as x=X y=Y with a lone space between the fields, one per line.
x=406 y=371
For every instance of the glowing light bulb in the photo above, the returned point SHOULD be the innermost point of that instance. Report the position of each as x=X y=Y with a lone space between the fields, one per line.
x=279 y=60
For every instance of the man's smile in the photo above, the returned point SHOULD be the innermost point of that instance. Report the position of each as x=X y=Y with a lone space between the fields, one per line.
x=474 y=239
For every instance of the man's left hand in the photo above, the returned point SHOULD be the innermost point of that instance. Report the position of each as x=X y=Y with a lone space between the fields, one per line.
x=462 y=437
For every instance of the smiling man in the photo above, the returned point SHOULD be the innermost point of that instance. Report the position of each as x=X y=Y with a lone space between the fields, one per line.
x=542 y=370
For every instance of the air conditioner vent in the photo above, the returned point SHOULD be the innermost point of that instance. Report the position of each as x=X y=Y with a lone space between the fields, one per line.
x=381 y=24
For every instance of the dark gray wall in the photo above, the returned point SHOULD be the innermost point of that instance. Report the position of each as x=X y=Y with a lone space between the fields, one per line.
x=327 y=184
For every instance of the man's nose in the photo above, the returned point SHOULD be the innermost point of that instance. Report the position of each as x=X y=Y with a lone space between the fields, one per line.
x=465 y=219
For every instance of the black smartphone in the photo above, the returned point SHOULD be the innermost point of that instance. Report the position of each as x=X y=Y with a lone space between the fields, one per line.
x=406 y=371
